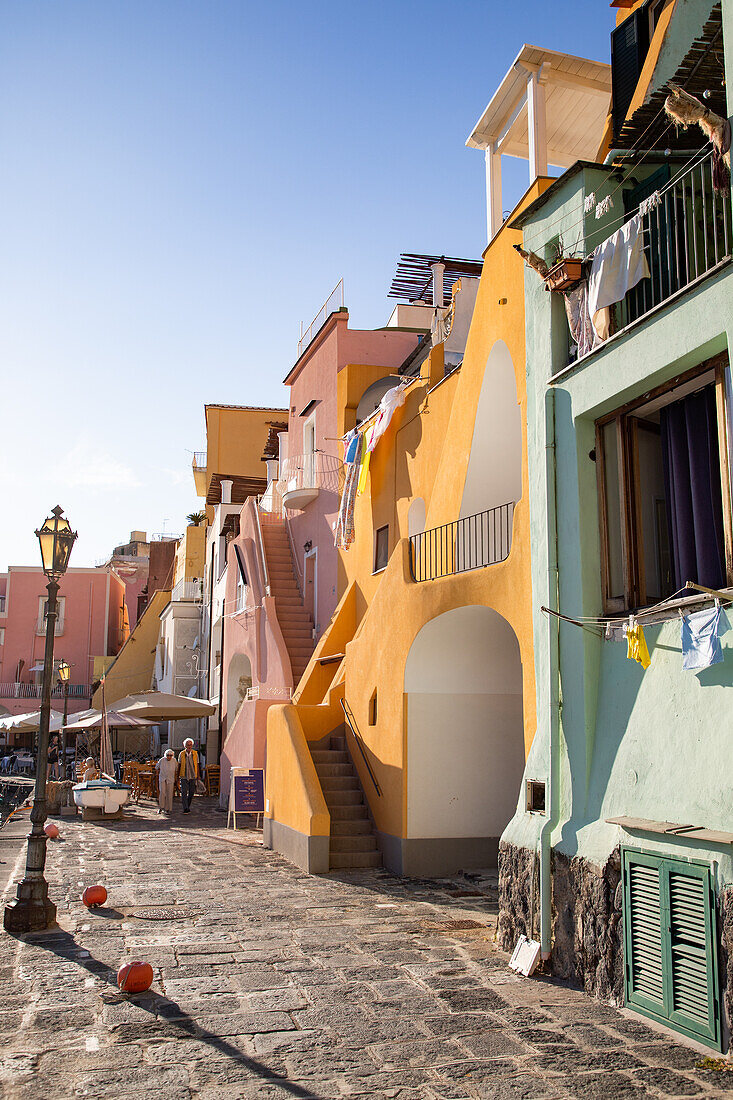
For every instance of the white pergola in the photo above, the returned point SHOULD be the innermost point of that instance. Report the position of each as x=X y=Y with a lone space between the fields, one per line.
x=550 y=108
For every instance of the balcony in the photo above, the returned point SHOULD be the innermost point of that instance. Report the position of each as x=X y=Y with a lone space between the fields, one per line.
x=304 y=476
x=188 y=590
x=198 y=465
x=34 y=691
x=473 y=542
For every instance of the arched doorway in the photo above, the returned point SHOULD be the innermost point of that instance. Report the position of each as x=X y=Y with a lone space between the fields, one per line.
x=239 y=680
x=465 y=739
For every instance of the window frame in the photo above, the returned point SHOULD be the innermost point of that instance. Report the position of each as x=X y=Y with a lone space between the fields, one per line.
x=628 y=476
x=377 y=532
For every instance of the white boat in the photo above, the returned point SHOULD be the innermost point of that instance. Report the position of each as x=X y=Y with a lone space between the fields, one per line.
x=102 y=794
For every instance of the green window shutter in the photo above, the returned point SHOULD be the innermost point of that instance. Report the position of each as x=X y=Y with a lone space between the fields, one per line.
x=691 y=937
x=644 y=966
x=670 y=941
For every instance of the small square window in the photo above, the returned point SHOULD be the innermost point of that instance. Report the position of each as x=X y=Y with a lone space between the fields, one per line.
x=535 y=796
x=381 y=548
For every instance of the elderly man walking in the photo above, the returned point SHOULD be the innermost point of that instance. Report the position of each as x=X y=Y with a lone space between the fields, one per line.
x=188 y=772
x=167 y=769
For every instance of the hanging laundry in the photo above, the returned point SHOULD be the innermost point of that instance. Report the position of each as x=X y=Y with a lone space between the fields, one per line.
x=590 y=202
x=393 y=399
x=650 y=203
x=581 y=327
x=636 y=644
x=344 y=530
x=686 y=110
x=701 y=632
x=351 y=445
x=363 y=472
x=604 y=206
x=618 y=265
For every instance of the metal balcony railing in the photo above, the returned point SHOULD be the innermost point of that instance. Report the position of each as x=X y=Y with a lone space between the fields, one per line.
x=469 y=543
x=334 y=301
x=188 y=590
x=35 y=691
x=310 y=471
x=685 y=237
x=199 y=460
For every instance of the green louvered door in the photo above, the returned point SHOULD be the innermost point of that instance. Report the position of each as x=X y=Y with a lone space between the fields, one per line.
x=670 y=942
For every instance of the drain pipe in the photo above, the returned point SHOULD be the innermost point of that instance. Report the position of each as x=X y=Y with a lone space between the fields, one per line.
x=552 y=793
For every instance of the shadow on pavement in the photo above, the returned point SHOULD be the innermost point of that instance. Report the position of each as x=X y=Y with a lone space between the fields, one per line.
x=167 y=1013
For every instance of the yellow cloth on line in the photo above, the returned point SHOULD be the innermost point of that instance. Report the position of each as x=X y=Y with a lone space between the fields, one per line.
x=637 y=648
x=363 y=473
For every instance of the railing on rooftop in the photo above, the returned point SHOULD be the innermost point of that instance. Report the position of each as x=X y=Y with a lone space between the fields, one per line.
x=199 y=460
x=188 y=590
x=469 y=543
x=686 y=236
x=334 y=302
x=35 y=691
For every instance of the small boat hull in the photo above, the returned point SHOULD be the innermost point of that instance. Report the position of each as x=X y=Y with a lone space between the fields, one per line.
x=101 y=794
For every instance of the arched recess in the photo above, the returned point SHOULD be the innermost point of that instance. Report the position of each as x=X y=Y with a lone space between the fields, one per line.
x=465 y=737
x=494 y=473
x=369 y=400
x=239 y=679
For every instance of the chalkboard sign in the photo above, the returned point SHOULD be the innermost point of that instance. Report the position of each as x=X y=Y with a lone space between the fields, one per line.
x=249 y=792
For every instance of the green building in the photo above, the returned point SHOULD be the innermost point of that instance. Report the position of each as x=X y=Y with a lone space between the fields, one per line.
x=620 y=855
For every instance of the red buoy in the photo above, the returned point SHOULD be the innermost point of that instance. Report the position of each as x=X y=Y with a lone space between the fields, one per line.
x=94 y=896
x=51 y=830
x=135 y=977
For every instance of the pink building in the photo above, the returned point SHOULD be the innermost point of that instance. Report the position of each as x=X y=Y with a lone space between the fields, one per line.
x=90 y=624
x=282 y=582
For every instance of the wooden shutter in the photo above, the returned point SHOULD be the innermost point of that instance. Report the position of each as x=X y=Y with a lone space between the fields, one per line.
x=644 y=961
x=629 y=46
x=693 y=998
x=670 y=941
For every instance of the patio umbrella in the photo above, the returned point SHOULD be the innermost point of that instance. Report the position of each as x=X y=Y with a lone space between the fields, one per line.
x=161 y=707
x=29 y=723
x=115 y=720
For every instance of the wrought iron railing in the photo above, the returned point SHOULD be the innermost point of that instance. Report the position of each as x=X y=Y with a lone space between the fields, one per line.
x=188 y=590
x=199 y=460
x=351 y=720
x=686 y=236
x=469 y=543
x=315 y=470
x=35 y=691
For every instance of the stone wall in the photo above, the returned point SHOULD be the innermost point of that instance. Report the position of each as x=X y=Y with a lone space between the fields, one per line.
x=587 y=916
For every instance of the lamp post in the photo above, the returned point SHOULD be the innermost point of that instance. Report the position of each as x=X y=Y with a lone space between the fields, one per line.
x=32 y=910
x=64 y=674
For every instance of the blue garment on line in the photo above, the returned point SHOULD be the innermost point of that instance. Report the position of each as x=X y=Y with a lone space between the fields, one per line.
x=701 y=632
x=352 y=446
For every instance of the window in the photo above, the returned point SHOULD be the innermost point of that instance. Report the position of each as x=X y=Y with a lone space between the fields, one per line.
x=43 y=612
x=381 y=548
x=670 y=944
x=373 y=709
x=535 y=796
x=2 y=635
x=664 y=494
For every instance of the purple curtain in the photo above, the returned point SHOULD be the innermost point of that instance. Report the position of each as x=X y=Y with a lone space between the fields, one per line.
x=692 y=484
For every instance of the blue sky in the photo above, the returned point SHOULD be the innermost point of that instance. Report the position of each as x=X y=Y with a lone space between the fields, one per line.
x=184 y=182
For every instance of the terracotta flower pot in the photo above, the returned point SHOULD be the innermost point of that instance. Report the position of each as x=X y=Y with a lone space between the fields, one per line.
x=94 y=896
x=51 y=830
x=135 y=977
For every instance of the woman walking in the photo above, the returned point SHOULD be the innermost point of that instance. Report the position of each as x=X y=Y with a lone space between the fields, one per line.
x=167 y=769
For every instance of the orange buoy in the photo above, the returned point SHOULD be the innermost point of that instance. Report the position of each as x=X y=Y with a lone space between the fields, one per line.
x=94 y=896
x=135 y=977
x=51 y=830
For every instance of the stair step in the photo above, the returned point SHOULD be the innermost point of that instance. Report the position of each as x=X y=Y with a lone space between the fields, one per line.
x=343 y=798
x=353 y=844
x=349 y=811
x=338 y=742
x=328 y=756
x=289 y=601
x=347 y=782
x=355 y=859
x=361 y=827
x=329 y=771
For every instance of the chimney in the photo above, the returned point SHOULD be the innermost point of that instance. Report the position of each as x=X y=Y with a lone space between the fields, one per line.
x=273 y=469
x=226 y=491
x=437 y=269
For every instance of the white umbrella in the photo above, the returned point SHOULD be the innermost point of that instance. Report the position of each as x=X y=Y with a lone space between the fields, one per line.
x=162 y=707
x=29 y=723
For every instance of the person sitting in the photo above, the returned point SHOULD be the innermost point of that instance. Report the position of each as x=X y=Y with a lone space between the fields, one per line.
x=90 y=770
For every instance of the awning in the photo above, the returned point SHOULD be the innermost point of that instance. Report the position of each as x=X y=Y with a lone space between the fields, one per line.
x=160 y=706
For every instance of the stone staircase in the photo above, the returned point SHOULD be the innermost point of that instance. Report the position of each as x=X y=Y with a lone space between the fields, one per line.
x=295 y=622
x=353 y=843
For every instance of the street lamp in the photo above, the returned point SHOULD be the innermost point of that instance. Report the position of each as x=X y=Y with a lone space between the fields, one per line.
x=32 y=910
x=64 y=673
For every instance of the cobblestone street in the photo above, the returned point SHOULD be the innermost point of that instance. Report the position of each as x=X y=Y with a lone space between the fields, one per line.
x=271 y=983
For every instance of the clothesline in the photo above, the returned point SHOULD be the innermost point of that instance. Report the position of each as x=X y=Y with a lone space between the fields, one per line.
x=605 y=621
